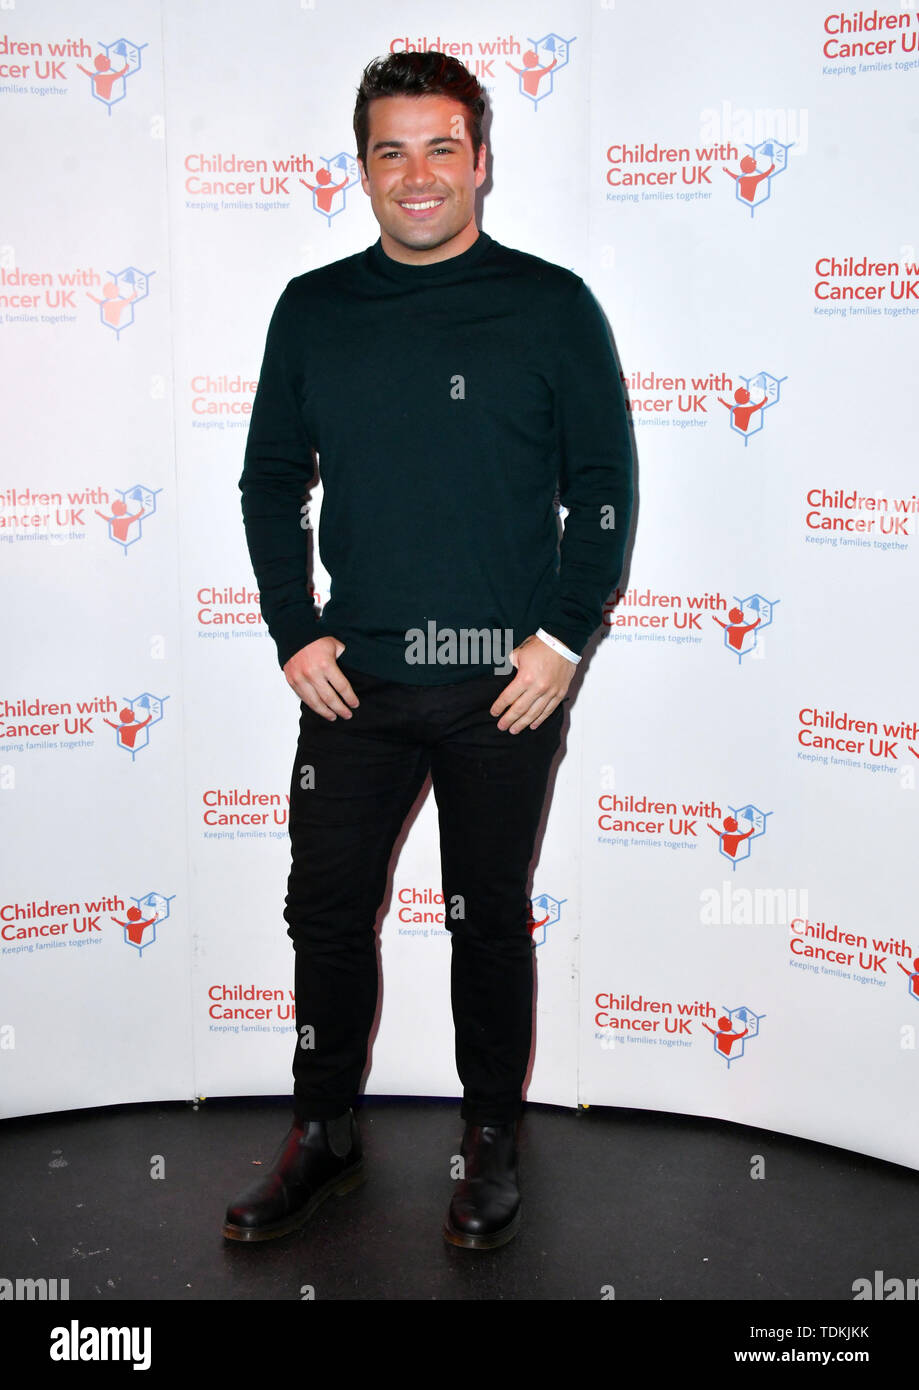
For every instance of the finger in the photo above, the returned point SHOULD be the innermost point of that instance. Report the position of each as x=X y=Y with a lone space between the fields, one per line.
x=528 y=701
x=331 y=698
x=534 y=716
x=320 y=696
x=544 y=715
x=510 y=708
x=342 y=686
x=309 y=698
x=508 y=696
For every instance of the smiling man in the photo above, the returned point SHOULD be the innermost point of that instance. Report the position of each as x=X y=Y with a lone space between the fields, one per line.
x=422 y=186
x=451 y=387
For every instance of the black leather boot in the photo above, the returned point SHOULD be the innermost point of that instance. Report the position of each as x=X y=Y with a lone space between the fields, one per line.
x=317 y=1158
x=485 y=1210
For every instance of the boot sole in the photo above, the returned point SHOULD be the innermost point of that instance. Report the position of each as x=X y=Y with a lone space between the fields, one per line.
x=489 y=1241
x=340 y=1185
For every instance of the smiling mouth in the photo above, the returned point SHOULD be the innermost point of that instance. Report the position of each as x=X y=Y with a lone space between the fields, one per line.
x=422 y=205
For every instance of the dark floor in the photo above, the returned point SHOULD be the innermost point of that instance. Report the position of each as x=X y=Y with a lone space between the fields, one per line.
x=618 y=1205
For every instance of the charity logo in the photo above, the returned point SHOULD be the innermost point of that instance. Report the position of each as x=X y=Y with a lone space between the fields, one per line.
x=255 y=1002
x=832 y=730
x=664 y=400
x=120 y=293
x=141 y=920
x=872 y=955
x=58 y=517
x=735 y=1026
x=893 y=519
x=536 y=77
x=858 y=278
x=223 y=394
x=742 y=622
x=214 y=180
x=426 y=906
x=630 y=815
x=626 y=1016
x=47 y=925
x=753 y=180
x=251 y=809
x=746 y=414
x=638 y=608
x=867 y=25
x=112 y=66
x=543 y=912
x=228 y=607
x=133 y=734
x=749 y=146
x=746 y=622
x=114 y=292
x=128 y=511
x=733 y=841
x=332 y=183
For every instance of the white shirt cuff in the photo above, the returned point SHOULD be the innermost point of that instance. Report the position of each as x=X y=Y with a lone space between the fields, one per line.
x=557 y=646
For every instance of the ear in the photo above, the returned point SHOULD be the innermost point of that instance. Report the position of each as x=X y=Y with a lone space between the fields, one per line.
x=365 y=182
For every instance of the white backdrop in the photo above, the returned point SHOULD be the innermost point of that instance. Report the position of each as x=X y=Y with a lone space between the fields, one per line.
x=160 y=165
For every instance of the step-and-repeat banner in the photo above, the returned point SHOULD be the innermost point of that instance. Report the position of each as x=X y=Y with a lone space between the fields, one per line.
x=724 y=899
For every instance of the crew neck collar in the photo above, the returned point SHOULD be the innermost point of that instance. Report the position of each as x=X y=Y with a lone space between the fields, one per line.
x=434 y=270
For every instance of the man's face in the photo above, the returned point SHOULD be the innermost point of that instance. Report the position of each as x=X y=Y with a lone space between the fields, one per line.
x=421 y=177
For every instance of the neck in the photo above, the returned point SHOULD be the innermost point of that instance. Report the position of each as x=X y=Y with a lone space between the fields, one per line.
x=429 y=255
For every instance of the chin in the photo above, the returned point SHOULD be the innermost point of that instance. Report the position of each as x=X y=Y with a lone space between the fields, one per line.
x=423 y=239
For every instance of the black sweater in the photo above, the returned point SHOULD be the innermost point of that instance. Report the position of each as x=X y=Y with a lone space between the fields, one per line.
x=448 y=404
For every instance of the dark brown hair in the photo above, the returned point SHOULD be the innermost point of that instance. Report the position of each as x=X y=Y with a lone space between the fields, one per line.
x=417 y=75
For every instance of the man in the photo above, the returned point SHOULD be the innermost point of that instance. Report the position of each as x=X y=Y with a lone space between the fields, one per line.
x=449 y=386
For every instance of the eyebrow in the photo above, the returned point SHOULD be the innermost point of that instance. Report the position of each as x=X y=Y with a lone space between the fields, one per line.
x=400 y=144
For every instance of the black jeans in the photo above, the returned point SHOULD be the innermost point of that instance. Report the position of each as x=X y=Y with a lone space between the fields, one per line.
x=353 y=783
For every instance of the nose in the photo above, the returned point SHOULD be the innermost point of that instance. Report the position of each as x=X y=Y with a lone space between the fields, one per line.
x=417 y=172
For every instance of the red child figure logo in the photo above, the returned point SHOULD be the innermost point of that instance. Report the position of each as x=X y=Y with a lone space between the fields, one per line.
x=742 y=411
x=728 y=838
x=129 y=728
x=531 y=74
x=736 y=629
x=324 y=189
x=749 y=178
x=113 y=303
x=724 y=1037
x=103 y=79
x=136 y=924
x=120 y=522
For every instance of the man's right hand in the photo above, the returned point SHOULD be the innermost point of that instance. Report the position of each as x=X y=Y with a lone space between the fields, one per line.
x=314 y=674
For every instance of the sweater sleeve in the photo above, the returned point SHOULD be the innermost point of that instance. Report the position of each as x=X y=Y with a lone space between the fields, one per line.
x=277 y=471
x=595 y=472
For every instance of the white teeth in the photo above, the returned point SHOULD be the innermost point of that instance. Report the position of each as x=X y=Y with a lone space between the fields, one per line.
x=419 y=207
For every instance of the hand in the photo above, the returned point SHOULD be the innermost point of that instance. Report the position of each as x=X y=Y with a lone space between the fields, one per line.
x=314 y=674
x=542 y=679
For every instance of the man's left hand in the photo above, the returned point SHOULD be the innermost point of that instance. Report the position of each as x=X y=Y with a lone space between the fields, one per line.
x=541 y=682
